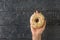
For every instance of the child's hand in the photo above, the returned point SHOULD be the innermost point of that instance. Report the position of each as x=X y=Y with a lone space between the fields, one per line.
x=38 y=31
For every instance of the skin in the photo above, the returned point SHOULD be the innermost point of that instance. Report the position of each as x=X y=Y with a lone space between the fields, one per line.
x=37 y=32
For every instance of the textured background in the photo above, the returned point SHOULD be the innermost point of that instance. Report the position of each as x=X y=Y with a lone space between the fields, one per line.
x=15 y=15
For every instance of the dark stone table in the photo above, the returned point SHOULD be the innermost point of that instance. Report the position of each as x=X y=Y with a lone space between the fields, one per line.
x=15 y=16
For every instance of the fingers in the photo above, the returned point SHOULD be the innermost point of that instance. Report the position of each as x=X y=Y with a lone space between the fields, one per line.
x=44 y=25
x=31 y=27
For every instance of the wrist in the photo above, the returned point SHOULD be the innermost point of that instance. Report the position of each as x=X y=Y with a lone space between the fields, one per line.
x=35 y=34
x=36 y=37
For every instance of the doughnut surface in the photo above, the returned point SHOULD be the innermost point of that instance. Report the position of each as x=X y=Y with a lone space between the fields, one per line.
x=37 y=20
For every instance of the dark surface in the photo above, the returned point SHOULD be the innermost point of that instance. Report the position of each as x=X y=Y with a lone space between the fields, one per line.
x=15 y=16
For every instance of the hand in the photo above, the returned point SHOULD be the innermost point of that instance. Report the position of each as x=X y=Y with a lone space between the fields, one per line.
x=38 y=31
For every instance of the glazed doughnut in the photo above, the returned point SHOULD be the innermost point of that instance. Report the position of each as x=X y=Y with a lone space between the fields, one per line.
x=37 y=20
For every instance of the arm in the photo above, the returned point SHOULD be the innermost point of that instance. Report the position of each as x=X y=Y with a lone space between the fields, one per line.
x=36 y=33
x=36 y=37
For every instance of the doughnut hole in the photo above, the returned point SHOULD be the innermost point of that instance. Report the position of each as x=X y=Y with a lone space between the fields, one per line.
x=36 y=20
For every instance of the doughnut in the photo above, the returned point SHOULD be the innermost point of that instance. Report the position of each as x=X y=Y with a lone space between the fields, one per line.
x=37 y=20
